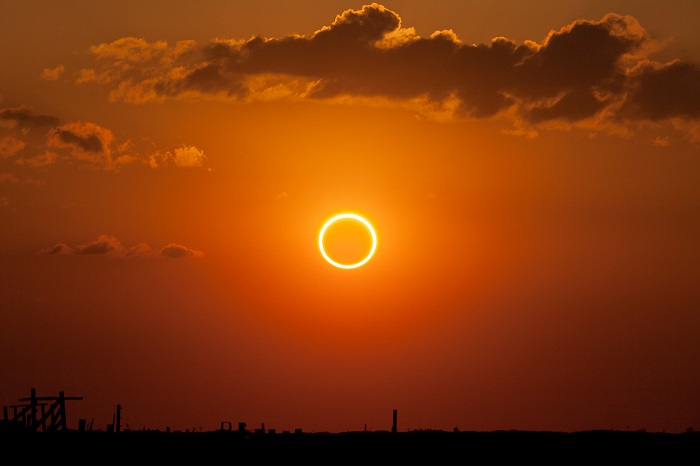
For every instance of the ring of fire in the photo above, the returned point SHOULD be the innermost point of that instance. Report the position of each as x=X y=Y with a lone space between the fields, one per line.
x=356 y=217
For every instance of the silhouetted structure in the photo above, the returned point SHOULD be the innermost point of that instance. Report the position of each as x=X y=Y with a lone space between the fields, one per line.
x=118 y=422
x=40 y=417
x=393 y=425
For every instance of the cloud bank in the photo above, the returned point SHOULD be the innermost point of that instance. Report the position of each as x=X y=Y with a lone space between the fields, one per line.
x=594 y=72
x=37 y=140
x=110 y=246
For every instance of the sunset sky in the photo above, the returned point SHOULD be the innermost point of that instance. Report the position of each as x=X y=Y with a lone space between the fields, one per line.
x=531 y=170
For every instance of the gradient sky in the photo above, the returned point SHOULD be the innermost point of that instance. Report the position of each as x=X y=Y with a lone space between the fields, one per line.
x=532 y=170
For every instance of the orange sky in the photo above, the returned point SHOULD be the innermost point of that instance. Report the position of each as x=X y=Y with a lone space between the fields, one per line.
x=532 y=177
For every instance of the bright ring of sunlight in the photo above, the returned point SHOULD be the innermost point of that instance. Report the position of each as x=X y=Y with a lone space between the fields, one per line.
x=334 y=219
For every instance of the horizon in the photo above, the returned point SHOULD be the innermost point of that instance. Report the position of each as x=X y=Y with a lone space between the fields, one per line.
x=54 y=418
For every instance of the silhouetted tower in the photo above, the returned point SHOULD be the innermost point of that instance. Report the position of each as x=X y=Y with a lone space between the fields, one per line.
x=118 y=423
x=393 y=425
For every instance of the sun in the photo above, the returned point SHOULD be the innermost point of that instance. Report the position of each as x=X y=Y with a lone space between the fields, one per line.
x=356 y=218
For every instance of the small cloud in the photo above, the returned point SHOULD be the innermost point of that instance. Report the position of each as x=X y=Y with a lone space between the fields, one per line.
x=4 y=201
x=183 y=157
x=52 y=74
x=282 y=195
x=432 y=196
x=24 y=117
x=189 y=156
x=9 y=147
x=57 y=250
x=105 y=244
x=86 y=142
x=88 y=75
x=139 y=250
x=176 y=251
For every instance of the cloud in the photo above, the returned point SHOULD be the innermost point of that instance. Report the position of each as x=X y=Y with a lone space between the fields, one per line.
x=188 y=156
x=135 y=65
x=10 y=146
x=91 y=144
x=590 y=72
x=658 y=91
x=57 y=250
x=40 y=160
x=86 y=142
x=82 y=143
x=110 y=246
x=25 y=117
x=182 y=157
x=103 y=245
x=52 y=74
x=176 y=251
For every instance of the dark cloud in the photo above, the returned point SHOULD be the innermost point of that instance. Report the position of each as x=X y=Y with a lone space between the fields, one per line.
x=574 y=106
x=107 y=245
x=57 y=249
x=103 y=245
x=657 y=92
x=583 y=70
x=24 y=117
x=89 y=143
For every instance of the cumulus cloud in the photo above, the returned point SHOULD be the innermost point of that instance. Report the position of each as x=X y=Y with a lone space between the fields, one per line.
x=110 y=246
x=594 y=71
x=188 y=156
x=176 y=251
x=103 y=245
x=57 y=250
x=52 y=74
x=658 y=91
x=182 y=157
